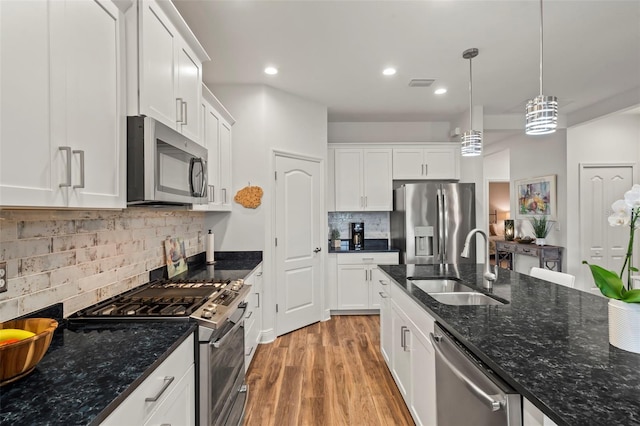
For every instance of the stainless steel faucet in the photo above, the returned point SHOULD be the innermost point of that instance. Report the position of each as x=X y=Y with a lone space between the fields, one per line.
x=488 y=276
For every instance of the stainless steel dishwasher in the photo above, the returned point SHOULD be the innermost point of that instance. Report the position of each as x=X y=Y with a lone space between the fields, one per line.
x=468 y=393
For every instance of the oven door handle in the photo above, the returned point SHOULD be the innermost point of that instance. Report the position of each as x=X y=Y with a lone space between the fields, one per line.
x=219 y=342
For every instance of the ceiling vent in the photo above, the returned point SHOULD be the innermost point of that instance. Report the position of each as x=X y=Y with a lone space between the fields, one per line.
x=421 y=82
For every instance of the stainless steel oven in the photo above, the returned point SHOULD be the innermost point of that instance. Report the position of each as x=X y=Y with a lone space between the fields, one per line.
x=223 y=392
x=163 y=166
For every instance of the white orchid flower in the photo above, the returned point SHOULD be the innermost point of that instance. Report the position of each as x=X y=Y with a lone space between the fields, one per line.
x=619 y=219
x=621 y=207
x=632 y=197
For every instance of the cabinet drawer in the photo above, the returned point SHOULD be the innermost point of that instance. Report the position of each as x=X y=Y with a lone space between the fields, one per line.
x=422 y=320
x=528 y=250
x=136 y=409
x=508 y=248
x=368 y=258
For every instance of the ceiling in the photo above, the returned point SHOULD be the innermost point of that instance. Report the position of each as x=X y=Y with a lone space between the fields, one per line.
x=333 y=52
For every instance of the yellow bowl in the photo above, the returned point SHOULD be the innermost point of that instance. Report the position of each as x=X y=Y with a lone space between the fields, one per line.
x=20 y=358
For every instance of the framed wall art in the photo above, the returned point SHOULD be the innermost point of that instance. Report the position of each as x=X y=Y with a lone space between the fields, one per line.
x=536 y=197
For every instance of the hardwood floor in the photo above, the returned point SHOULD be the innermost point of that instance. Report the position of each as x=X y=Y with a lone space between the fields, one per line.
x=329 y=373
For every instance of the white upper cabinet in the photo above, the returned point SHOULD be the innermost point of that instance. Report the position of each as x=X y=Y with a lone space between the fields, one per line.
x=429 y=161
x=216 y=137
x=165 y=69
x=363 y=180
x=67 y=149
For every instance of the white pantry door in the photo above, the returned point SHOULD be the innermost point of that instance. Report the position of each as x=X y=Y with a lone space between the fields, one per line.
x=602 y=244
x=298 y=257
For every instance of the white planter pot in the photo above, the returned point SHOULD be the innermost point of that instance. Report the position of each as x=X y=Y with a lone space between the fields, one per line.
x=336 y=244
x=540 y=241
x=624 y=325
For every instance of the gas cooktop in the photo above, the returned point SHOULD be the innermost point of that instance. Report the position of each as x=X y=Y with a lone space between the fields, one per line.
x=210 y=301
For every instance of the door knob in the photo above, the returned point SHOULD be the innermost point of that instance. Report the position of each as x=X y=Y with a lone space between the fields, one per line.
x=317 y=249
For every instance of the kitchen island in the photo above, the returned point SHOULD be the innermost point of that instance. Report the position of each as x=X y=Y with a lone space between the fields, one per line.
x=549 y=342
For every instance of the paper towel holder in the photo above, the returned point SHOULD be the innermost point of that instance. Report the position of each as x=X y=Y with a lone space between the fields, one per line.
x=209 y=249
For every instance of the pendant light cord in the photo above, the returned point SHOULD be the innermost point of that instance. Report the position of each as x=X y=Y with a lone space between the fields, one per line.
x=541 y=46
x=470 y=95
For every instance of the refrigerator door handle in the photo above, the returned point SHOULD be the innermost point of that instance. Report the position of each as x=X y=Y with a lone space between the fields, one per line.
x=445 y=215
x=440 y=226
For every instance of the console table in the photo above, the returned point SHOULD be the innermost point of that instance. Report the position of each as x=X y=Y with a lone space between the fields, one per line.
x=549 y=257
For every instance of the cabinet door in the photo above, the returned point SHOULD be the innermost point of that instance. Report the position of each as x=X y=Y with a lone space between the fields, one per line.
x=225 y=165
x=377 y=180
x=179 y=408
x=408 y=163
x=332 y=280
x=348 y=184
x=441 y=163
x=386 y=329
x=212 y=135
x=353 y=287
x=94 y=102
x=31 y=166
x=189 y=83
x=423 y=385
x=157 y=49
x=400 y=355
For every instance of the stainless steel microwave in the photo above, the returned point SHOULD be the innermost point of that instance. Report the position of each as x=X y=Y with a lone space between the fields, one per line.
x=163 y=166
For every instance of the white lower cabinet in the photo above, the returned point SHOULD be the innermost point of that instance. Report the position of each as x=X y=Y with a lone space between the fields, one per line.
x=167 y=396
x=253 y=316
x=404 y=328
x=358 y=276
x=532 y=416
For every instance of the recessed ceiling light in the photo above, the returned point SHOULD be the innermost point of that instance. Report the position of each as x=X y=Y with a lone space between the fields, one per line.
x=271 y=70
x=389 y=71
x=440 y=91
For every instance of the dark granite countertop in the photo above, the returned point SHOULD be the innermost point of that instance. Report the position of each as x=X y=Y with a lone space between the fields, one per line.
x=90 y=368
x=374 y=245
x=549 y=342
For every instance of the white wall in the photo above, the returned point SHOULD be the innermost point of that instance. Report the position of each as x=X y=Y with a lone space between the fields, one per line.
x=612 y=139
x=267 y=120
x=389 y=132
x=532 y=157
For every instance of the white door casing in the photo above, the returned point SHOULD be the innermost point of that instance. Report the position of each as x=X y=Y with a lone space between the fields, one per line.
x=298 y=222
x=600 y=243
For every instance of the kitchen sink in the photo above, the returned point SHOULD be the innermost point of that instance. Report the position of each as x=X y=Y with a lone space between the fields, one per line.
x=465 y=298
x=441 y=285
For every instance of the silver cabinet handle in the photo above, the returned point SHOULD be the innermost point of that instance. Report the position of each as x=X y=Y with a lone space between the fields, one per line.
x=81 y=154
x=259 y=274
x=426 y=169
x=367 y=258
x=184 y=104
x=493 y=403
x=179 y=108
x=167 y=381
x=382 y=295
x=67 y=182
x=225 y=195
x=383 y=282
x=422 y=170
x=404 y=332
x=250 y=351
x=258 y=297
x=402 y=336
x=249 y=315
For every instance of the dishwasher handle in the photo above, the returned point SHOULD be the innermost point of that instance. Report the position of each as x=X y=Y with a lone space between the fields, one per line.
x=491 y=400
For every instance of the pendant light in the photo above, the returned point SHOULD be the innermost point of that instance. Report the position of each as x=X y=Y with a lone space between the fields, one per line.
x=471 y=139
x=542 y=111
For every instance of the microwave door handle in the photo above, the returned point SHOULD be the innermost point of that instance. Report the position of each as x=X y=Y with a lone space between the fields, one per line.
x=192 y=162
x=203 y=191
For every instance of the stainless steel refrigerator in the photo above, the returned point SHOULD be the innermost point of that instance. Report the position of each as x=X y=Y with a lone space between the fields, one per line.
x=431 y=220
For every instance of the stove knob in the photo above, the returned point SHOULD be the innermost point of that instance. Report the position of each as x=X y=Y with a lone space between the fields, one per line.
x=213 y=307
x=206 y=313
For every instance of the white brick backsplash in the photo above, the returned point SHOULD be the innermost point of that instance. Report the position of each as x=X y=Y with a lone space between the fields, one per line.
x=24 y=248
x=70 y=242
x=8 y=230
x=80 y=257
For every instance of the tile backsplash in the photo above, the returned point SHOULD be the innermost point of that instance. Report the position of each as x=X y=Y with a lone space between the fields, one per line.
x=81 y=257
x=376 y=224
